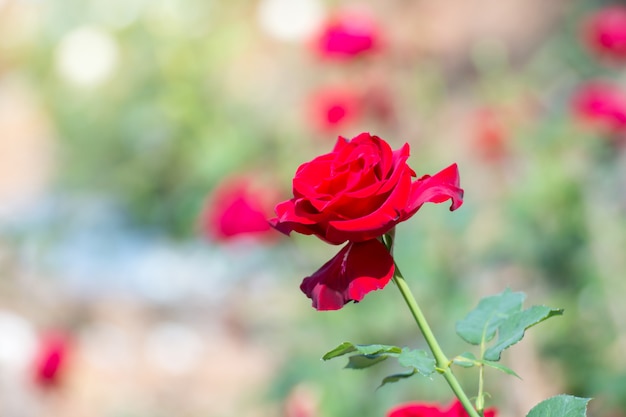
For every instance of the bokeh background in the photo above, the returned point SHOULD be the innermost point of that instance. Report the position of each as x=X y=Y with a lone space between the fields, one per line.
x=143 y=143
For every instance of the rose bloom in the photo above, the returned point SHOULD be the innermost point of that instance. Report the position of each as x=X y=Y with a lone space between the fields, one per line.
x=433 y=410
x=604 y=33
x=357 y=193
x=50 y=359
x=334 y=108
x=237 y=208
x=347 y=34
x=601 y=104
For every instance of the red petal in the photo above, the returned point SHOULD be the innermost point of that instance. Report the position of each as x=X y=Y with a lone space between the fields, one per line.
x=378 y=222
x=356 y=270
x=416 y=410
x=436 y=189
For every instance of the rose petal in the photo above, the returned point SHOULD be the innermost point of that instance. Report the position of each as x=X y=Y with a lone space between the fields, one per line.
x=436 y=189
x=377 y=223
x=457 y=410
x=416 y=409
x=356 y=270
x=288 y=221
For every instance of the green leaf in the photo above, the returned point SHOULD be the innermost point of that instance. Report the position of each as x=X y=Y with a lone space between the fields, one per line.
x=347 y=347
x=378 y=349
x=342 y=349
x=369 y=355
x=482 y=322
x=364 y=361
x=500 y=367
x=560 y=406
x=466 y=360
x=512 y=329
x=503 y=314
x=396 y=377
x=418 y=360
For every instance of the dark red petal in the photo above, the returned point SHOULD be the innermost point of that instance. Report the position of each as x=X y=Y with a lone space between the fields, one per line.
x=356 y=270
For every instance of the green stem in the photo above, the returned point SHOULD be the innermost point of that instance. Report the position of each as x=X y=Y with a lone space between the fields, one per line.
x=480 y=400
x=443 y=364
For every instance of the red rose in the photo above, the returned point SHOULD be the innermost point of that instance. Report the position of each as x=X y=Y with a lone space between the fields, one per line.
x=601 y=104
x=347 y=34
x=334 y=108
x=360 y=191
x=605 y=33
x=357 y=193
x=489 y=134
x=237 y=207
x=433 y=410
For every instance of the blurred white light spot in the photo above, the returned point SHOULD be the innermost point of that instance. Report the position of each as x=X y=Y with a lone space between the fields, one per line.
x=174 y=348
x=19 y=342
x=290 y=20
x=87 y=56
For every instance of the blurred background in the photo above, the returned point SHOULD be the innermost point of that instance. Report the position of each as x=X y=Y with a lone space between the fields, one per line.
x=144 y=143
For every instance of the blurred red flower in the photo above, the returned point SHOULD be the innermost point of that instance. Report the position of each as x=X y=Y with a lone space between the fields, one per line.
x=601 y=104
x=604 y=33
x=334 y=108
x=433 y=410
x=238 y=207
x=302 y=401
x=357 y=193
x=50 y=359
x=346 y=34
x=489 y=134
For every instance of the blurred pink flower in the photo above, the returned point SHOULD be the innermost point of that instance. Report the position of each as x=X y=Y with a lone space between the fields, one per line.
x=50 y=359
x=346 y=34
x=238 y=207
x=604 y=33
x=433 y=410
x=332 y=109
x=602 y=105
x=302 y=401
